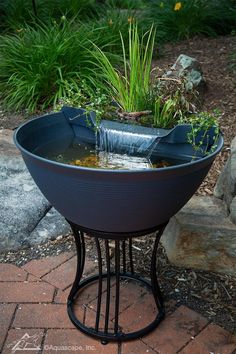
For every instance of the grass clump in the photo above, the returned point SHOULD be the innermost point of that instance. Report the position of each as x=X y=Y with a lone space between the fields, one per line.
x=18 y=13
x=154 y=101
x=111 y=24
x=36 y=64
x=126 y=4
x=176 y=20
x=131 y=86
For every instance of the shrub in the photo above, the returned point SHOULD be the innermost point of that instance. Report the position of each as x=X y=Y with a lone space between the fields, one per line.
x=126 y=4
x=36 y=63
x=110 y=25
x=182 y=19
x=17 y=13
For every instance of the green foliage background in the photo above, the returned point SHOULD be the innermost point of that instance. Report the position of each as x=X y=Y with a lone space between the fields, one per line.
x=42 y=53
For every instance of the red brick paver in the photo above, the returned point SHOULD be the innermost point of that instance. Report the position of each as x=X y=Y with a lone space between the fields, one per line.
x=42 y=316
x=87 y=295
x=130 y=292
x=64 y=275
x=139 y=314
x=61 y=296
x=72 y=338
x=32 y=278
x=26 y=292
x=175 y=331
x=9 y=272
x=6 y=314
x=40 y=267
x=213 y=339
x=33 y=314
x=90 y=319
x=136 y=347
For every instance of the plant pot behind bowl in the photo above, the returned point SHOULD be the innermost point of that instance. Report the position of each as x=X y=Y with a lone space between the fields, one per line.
x=102 y=199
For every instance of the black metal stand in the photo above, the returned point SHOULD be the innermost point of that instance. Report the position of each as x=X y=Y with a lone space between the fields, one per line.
x=122 y=241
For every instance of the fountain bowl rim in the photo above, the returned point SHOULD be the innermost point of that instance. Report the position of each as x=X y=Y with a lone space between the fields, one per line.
x=106 y=170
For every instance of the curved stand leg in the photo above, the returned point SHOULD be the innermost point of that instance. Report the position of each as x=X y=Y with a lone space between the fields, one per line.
x=120 y=272
x=80 y=248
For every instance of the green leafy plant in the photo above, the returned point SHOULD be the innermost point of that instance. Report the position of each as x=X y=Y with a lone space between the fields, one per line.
x=83 y=96
x=16 y=14
x=126 y=4
x=203 y=125
x=111 y=24
x=36 y=63
x=177 y=20
x=74 y=8
x=131 y=86
x=164 y=113
x=158 y=102
x=173 y=101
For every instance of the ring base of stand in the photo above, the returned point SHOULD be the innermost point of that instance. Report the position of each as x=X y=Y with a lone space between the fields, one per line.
x=120 y=336
x=122 y=267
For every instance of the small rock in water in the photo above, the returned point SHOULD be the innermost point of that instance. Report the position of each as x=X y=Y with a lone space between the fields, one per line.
x=113 y=161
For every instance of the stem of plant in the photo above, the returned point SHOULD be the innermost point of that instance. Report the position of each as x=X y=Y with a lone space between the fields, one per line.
x=34 y=7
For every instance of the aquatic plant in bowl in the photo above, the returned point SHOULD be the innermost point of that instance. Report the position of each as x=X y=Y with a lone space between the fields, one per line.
x=153 y=108
x=144 y=99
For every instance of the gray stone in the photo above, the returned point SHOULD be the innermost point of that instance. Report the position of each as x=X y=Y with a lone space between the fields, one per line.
x=233 y=211
x=226 y=184
x=22 y=204
x=202 y=236
x=7 y=147
x=50 y=227
x=220 y=186
x=189 y=68
x=26 y=216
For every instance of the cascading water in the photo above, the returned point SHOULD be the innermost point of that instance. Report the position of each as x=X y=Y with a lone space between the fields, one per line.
x=123 y=149
x=127 y=145
x=112 y=140
x=127 y=140
x=152 y=148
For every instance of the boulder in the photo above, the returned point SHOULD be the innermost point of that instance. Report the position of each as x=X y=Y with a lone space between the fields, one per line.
x=50 y=227
x=225 y=188
x=233 y=211
x=202 y=236
x=23 y=207
x=191 y=70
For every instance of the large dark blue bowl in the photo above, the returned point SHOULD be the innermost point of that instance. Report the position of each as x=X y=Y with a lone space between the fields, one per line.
x=110 y=200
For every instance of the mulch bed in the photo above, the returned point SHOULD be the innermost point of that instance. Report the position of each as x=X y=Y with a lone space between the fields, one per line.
x=214 y=55
x=211 y=294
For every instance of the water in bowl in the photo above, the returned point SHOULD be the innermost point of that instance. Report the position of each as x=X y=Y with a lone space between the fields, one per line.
x=85 y=155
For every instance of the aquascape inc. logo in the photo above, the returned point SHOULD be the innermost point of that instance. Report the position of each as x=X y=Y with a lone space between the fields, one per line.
x=27 y=342
x=33 y=342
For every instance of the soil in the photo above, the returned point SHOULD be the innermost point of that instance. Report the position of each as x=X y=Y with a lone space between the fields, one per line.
x=214 y=55
x=209 y=293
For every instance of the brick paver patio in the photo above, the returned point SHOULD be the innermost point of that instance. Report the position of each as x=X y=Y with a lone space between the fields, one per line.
x=33 y=304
